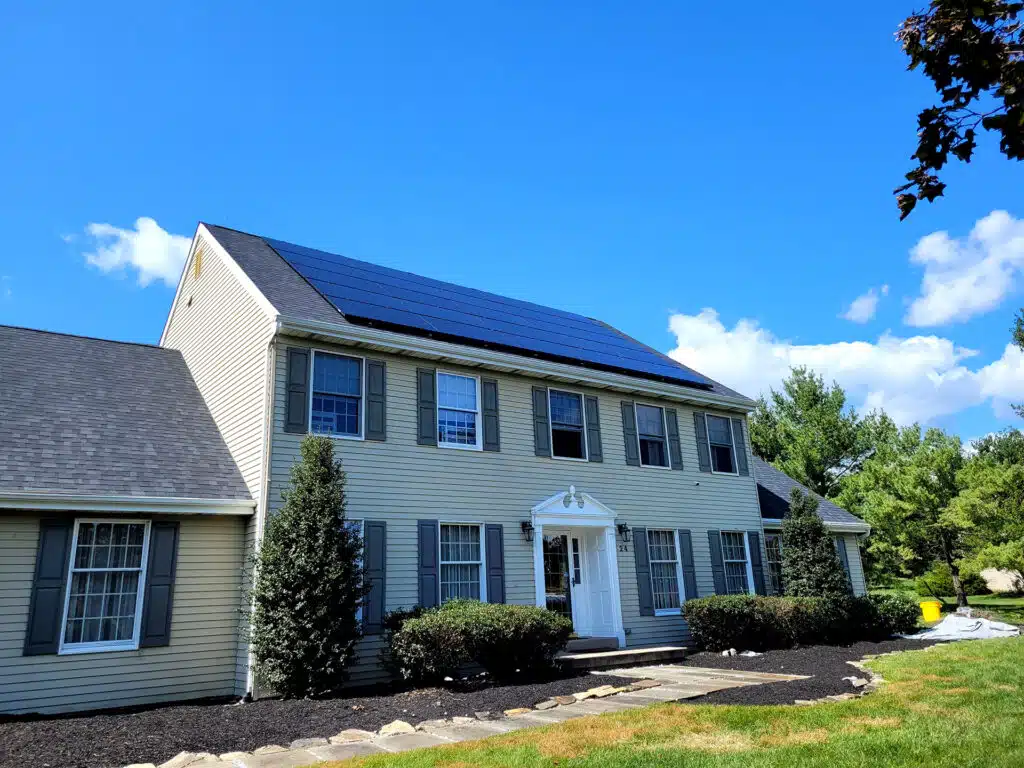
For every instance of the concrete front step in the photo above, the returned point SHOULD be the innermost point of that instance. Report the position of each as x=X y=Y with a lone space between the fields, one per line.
x=591 y=644
x=593 y=660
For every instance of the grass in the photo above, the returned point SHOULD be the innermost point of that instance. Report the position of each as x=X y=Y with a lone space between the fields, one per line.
x=953 y=705
x=1002 y=608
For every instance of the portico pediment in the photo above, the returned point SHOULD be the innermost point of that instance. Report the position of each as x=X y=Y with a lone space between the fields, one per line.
x=574 y=504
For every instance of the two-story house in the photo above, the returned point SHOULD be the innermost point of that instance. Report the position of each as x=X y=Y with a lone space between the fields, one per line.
x=494 y=449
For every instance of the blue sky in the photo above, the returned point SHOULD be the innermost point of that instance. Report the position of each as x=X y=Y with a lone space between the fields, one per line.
x=717 y=187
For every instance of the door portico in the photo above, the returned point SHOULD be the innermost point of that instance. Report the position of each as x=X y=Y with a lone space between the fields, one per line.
x=577 y=533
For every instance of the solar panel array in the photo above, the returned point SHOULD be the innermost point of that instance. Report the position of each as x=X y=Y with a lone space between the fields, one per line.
x=374 y=294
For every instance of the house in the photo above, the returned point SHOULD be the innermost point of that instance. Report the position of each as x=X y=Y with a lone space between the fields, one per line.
x=122 y=521
x=773 y=492
x=495 y=450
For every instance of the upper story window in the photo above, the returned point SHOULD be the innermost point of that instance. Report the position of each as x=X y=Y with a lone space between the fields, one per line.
x=721 y=444
x=337 y=402
x=568 y=440
x=650 y=427
x=103 y=608
x=458 y=411
x=734 y=553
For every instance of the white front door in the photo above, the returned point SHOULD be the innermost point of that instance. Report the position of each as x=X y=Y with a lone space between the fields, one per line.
x=597 y=582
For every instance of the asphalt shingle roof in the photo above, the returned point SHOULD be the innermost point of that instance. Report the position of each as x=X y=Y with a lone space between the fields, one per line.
x=296 y=298
x=773 y=490
x=89 y=416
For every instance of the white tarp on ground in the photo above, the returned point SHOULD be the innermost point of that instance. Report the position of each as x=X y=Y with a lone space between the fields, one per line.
x=957 y=627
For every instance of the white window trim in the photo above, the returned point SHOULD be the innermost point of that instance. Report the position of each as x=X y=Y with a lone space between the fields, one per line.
x=483 y=557
x=362 y=393
x=679 y=572
x=479 y=446
x=664 y=426
x=110 y=645
x=583 y=415
x=732 y=440
x=746 y=552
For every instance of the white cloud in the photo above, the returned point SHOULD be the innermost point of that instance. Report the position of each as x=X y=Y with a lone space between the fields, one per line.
x=863 y=307
x=964 y=277
x=5 y=287
x=152 y=251
x=914 y=379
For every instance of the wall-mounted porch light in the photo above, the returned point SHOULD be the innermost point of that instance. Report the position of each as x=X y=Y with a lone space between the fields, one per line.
x=527 y=528
x=624 y=532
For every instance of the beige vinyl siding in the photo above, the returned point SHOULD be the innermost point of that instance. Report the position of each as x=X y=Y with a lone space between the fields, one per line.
x=223 y=334
x=199 y=662
x=400 y=482
x=856 y=565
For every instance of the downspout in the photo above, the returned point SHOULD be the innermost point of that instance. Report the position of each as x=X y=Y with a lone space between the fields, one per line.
x=263 y=508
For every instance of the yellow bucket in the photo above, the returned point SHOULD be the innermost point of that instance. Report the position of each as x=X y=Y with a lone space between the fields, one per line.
x=931 y=610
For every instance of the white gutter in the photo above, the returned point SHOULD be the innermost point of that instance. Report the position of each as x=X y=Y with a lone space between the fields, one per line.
x=472 y=356
x=862 y=528
x=77 y=502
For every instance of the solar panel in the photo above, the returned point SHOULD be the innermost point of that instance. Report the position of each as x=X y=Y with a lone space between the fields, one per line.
x=372 y=294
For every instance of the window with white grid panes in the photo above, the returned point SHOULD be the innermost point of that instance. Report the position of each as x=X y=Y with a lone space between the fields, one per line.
x=665 y=571
x=461 y=561
x=458 y=411
x=734 y=555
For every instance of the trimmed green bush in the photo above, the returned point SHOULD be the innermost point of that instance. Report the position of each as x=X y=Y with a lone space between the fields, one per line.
x=810 y=564
x=938 y=582
x=504 y=639
x=755 y=623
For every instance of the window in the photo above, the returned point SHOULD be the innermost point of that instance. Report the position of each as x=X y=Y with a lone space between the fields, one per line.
x=337 y=395
x=773 y=548
x=665 y=571
x=720 y=440
x=567 y=435
x=734 y=553
x=103 y=607
x=356 y=527
x=457 y=411
x=650 y=426
x=461 y=562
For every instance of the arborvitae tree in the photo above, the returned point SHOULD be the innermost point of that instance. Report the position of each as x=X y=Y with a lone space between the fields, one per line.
x=309 y=581
x=810 y=565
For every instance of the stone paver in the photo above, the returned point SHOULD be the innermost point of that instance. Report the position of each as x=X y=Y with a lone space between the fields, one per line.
x=403 y=742
x=345 y=751
x=288 y=758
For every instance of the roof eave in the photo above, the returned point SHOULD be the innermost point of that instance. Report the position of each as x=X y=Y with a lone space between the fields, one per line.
x=858 y=528
x=504 y=361
x=44 y=500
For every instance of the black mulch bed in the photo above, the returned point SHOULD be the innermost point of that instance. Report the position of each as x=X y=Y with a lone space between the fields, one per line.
x=826 y=663
x=155 y=735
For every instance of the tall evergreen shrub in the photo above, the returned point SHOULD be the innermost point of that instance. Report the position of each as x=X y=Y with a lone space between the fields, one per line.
x=309 y=581
x=810 y=564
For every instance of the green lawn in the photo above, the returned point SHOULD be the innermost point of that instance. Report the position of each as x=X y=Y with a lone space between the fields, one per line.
x=954 y=705
x=1009 y=609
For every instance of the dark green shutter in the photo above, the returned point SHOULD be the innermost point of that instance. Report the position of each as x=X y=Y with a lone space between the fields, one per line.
x=844 y=558
x=675 y=452
x=489 y=396
x=495 y=554
x=376 y=400
x=629 y=436
x=541 y=424
x=159 y=596
x=374 y=572
x=689 y=567
x=426 y=407
x=740 y=443
x=645 y=591
x=429 y=582
x=46 y=605
x=756 y=564
x=700 y=426
x=593 y=420
x=296 y=416
x=717 y=561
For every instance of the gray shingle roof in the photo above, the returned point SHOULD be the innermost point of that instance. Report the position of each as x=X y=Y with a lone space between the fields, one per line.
x=88 y=416
x=296 y=298
x=773 y=490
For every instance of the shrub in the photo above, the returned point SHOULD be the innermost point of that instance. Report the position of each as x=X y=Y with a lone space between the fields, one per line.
x=810 y=565
x=391 y=622
x=938 y=582
x=503 y=639
x=765 y=623
x=308 y=581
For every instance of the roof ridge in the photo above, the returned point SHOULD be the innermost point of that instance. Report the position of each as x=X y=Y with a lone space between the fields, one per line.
x=145 y=344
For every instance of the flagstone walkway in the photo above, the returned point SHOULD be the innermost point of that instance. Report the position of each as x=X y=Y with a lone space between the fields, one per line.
x=669 y=682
